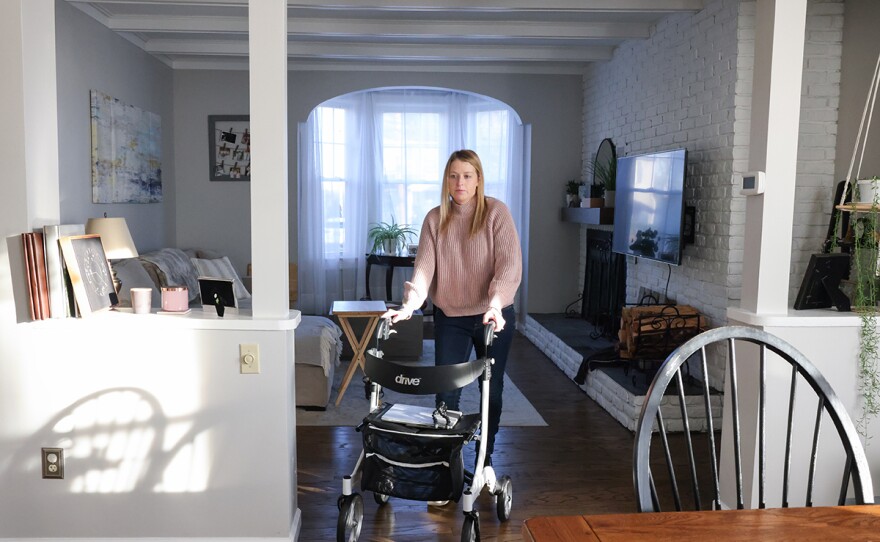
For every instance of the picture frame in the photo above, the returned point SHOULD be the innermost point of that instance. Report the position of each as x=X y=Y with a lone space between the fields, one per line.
x=229 y=147
x=90 y=275
x=223 y=290
x=412 y=249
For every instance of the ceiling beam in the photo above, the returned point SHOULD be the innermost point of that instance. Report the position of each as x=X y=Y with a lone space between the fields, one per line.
x=399 y=66
x=452 y=6
x=401 y=29
x=372 y=51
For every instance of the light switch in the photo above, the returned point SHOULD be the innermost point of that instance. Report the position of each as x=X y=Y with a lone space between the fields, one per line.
x=249 y=357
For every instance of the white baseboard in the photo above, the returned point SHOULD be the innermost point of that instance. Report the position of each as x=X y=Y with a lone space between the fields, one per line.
x=295 y=526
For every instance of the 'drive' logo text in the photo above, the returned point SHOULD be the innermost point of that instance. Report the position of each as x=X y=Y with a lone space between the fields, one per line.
x=400 y=379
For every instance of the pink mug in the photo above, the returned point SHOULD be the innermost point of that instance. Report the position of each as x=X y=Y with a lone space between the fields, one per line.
x=175 y=298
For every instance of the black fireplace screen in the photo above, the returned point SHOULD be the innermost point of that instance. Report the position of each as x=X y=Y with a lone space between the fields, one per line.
x=604 y=284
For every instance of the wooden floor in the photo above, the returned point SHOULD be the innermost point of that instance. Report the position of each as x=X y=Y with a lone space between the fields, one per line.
x=580 y=464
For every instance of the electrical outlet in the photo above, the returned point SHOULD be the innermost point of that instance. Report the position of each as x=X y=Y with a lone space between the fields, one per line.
x=53 y=463
x=249 y=358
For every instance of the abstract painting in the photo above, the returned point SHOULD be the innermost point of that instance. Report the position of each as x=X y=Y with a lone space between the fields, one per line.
x=126 y=152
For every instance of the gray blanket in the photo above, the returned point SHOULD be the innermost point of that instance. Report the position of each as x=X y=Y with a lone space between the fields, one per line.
x=176 y=267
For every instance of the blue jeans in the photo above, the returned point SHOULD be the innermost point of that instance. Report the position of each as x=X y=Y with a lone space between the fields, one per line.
x=455 y=338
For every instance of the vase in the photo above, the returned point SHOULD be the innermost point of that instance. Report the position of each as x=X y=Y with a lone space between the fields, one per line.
x=867 y=190
x=583 y=192
x=609 y=198
x=390 y=247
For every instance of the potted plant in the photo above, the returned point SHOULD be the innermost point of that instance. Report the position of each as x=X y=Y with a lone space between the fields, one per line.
x=572 y=189
x=605 y=175
x=388 y=238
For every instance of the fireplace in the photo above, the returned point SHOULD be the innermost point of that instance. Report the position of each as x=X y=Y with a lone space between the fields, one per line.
x=604 y=283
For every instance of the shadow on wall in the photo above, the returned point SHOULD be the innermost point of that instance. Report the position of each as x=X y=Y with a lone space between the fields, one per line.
x=116 y=442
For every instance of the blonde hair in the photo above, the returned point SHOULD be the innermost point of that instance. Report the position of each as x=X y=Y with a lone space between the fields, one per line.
x=479 y=220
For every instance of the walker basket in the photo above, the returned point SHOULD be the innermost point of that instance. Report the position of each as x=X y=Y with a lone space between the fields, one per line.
x=419 y=464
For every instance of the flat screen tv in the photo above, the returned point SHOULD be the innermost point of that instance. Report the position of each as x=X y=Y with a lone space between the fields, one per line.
x=649 y=205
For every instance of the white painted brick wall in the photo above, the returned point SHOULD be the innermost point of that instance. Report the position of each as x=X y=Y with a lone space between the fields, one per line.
x=565 y=357
x=818 y=134
x=677 y=89
x=611 y=396
x=689 y=85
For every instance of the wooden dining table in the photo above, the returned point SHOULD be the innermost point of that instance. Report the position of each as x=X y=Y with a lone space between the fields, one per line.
x=860 y=523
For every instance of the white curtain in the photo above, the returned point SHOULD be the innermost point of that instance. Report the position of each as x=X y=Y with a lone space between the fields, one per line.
x=333 y=269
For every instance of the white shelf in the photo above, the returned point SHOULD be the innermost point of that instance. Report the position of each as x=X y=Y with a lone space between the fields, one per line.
x=195 y=319
x=588 y=215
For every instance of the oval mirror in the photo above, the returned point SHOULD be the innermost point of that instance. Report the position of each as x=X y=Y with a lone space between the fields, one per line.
x=605 y=162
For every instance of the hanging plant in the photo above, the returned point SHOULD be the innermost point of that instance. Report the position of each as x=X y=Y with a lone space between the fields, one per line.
x=863 y=222
x=865 y=268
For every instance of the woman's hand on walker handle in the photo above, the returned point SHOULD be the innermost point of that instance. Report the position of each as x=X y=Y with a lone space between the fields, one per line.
x=398 y=315
x=494 y=315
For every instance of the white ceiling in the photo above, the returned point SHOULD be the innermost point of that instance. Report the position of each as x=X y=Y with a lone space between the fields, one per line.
x=558 y=36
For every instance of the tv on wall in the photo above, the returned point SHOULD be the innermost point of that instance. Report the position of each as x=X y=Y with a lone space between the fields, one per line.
x=649 y=206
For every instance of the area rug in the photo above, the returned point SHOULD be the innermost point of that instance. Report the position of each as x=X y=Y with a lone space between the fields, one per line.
x=517 y=411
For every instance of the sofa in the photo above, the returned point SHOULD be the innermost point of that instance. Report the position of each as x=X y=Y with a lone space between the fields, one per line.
x=317 y=340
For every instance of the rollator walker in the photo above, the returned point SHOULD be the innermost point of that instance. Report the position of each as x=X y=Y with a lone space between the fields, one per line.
x=413 y=452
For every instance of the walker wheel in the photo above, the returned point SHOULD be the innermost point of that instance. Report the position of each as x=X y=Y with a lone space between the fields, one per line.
x=351 y=516
x=470 y=530
x=504 y=497
x=380 y=498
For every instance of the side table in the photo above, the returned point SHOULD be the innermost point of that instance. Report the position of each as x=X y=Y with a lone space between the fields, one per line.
x=345 y=310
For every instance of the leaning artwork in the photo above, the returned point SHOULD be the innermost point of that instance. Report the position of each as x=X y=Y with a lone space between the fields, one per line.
x=126 y=152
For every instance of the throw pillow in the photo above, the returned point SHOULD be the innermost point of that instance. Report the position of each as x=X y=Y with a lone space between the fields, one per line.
x=222 y=268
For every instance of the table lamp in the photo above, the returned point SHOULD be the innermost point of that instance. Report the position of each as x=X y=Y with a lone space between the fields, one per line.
x=116 y=240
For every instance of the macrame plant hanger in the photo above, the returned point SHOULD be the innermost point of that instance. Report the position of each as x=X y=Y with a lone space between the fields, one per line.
x=862 y=142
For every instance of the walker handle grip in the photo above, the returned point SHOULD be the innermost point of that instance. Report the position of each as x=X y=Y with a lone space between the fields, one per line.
x=383 y=330
x=489 y=333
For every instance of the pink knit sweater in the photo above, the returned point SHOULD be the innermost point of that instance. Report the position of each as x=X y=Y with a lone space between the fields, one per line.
x=466 y=275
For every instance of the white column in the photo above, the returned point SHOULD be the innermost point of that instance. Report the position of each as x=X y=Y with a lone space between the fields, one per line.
x=775 y=120
x=775 y=124
x=267 y=26
x=28 y=107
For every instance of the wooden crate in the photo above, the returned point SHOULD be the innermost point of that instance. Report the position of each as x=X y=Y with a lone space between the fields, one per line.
x=654 y=331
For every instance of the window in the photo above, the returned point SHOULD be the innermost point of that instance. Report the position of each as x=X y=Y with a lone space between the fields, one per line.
x=331 y=142
x=413 y=135
x=377 y=156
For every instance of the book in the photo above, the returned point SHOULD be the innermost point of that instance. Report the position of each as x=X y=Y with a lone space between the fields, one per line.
x=35 y=269
x=180 y=313
x=40 y=266
x=20 y=291
x=420 y=416
x=30 y=275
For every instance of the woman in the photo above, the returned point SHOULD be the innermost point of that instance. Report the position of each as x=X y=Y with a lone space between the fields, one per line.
x=469 y=262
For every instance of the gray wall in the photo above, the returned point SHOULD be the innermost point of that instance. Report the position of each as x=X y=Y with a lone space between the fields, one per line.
x=861 y=44
x=90 y=56
x=214 y=213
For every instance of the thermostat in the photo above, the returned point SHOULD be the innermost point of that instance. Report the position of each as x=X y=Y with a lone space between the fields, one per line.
x=752 y=183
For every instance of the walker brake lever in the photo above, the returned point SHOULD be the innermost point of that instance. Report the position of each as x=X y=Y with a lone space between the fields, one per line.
x=489 y=333
x=384 y=330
